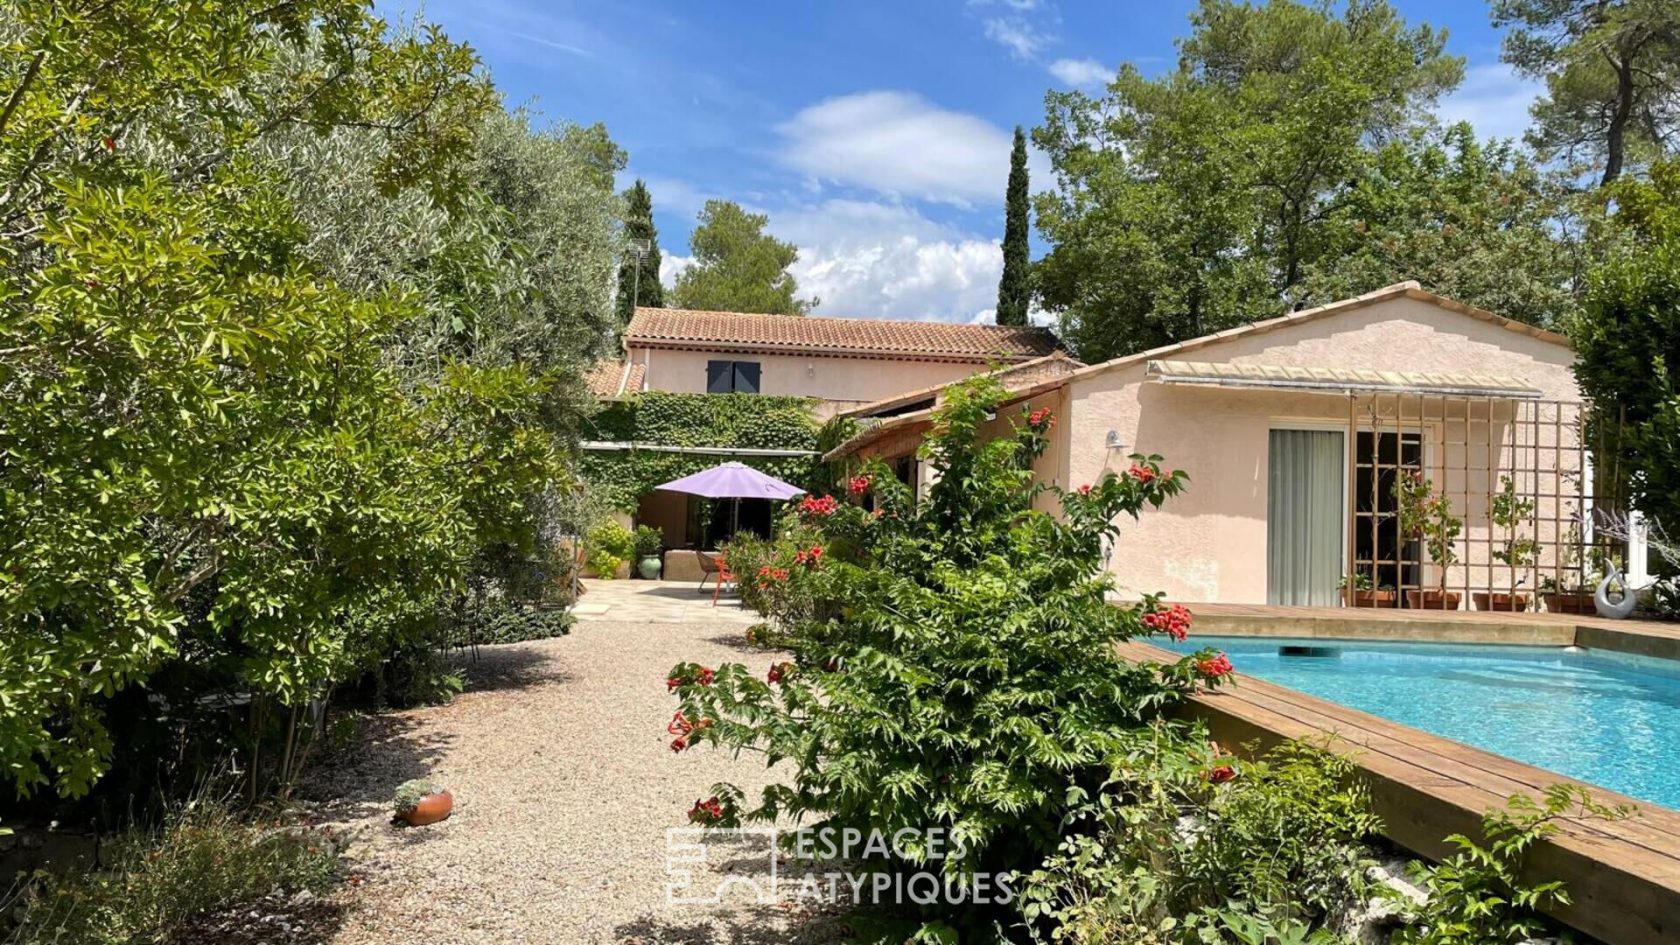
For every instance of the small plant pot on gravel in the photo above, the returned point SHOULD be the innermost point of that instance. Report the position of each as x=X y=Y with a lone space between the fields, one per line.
x=419 y=802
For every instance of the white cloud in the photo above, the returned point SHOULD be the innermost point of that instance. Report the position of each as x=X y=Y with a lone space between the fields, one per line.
x=671 y=266
x=1081 y=73
x=1015 y=34
x=903 y=277
x=1493 y=99
x=884 y=259
x=899 y=143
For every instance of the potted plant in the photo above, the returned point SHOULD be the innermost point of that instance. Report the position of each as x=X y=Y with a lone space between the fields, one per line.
x=608 y=547
x=1570 y=596
x=1365 y=593
x=649 y=542
x=420 y=802
x=1508 y=511
x=1427 y=514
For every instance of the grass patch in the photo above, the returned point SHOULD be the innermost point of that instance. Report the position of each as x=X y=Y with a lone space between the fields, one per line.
x=161 y=884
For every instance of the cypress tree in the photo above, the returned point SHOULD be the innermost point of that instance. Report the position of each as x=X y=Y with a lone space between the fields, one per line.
x=638 y=225
x=1014 y=290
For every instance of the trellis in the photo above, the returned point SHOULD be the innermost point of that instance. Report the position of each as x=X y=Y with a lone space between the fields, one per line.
x=1468 y=447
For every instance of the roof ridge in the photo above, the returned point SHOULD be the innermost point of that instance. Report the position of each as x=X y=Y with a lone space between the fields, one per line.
x=850 y=319
x=1409 y=288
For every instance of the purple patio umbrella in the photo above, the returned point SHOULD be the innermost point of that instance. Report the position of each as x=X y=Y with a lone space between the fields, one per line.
x=733 y=481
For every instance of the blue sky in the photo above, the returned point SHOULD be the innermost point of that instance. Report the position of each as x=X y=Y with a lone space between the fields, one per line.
x=875 y=133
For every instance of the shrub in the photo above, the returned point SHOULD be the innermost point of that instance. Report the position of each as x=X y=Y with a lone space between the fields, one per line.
x=959 y=667
x=648 y=541
x=606 y=546
x=1184 y=841
x=1480 y=895
x=204 y=860
x=518 y=624
x=417 y=674
x=765 y=573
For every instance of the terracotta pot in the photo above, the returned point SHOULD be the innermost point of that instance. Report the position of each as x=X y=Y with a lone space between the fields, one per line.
x=1374 y=598
x=431 y=809
x=1432 y=600
x=1569 y=602
x=1484 y=600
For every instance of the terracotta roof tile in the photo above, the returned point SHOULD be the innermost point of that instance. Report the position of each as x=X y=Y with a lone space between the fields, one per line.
x=611 y=378
x=1017 y=376
x=860 y=337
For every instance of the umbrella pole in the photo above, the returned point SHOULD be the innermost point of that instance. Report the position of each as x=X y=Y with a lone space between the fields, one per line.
x=735 y=518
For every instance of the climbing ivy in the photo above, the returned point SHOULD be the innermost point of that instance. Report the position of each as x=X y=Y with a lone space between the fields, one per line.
x=725 y=421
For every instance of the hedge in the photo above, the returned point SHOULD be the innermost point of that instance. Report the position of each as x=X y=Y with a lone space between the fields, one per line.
x=724 y=421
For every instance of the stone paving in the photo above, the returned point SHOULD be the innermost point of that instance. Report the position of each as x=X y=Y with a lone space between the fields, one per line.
x=658 y=602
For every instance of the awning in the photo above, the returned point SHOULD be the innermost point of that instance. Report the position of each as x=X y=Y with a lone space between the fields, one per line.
x=1337 y=380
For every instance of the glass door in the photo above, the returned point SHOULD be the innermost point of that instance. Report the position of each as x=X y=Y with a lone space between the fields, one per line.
x=1306 y=527
x=1381 y=560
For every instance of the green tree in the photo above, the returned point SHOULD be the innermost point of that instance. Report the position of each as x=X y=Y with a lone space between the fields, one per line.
x=1015 y=287
x=211 y=460
x=1628 y=341
x=1474 y=222
x=521 y=272
x=738 y=267
x=1196 y=201
x=1612 y=74
x=638 y=284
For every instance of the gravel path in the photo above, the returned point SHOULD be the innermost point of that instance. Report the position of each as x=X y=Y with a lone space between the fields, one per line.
x=564 y=786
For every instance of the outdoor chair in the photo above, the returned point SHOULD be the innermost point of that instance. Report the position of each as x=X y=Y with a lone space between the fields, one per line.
x=713 y=566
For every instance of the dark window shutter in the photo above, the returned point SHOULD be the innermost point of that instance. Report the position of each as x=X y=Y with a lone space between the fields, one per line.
x=719 y=377
x=746 y=377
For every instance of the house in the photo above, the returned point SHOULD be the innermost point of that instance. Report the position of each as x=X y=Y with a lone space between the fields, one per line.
x=841 y=362
x=1294 y=433
x=694 y=389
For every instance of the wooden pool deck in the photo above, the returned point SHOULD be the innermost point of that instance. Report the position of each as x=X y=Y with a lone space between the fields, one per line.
x=1623 y=876
x=1645 y=637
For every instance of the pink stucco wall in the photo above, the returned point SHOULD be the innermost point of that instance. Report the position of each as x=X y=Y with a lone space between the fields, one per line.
x=1209 y=544
x=841 y=382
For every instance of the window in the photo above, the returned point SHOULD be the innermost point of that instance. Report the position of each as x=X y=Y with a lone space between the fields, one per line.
x=731 y=377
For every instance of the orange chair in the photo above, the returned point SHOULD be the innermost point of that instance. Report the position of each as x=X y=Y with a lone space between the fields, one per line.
x=724 y=576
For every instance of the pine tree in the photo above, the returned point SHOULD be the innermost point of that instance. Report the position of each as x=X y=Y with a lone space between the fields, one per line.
x=738 y=267
x=638 y=225
x=1014 y=290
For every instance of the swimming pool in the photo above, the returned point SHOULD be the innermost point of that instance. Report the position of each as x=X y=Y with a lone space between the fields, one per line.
x=1602 y=717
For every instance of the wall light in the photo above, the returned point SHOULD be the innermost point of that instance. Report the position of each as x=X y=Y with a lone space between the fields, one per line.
x=1114 y=441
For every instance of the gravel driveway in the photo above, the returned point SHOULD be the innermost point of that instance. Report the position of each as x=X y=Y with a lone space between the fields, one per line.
x=564 y=786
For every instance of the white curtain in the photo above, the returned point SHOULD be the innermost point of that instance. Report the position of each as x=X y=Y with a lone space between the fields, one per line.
x=1304 y=523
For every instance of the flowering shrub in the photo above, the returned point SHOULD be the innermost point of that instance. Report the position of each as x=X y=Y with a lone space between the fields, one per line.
x=1174 y=621
x=779 y=578
x=818 y=507
x=956 y=666
x=1214 y=667
x=1182 y=843
x=708 y=811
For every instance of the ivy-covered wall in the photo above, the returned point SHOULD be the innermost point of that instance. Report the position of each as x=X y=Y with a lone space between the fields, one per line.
x=620 y=477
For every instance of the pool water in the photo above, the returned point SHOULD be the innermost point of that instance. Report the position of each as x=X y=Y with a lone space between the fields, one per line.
x=1606 y=718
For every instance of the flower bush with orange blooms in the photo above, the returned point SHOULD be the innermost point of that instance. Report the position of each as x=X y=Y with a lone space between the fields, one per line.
x=958 y=667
